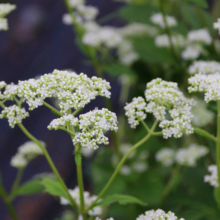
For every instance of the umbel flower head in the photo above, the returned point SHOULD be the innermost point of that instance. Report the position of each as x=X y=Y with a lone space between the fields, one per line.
x=25 y=154
x=158 y=20
x=89 y=199
x=158 y=215
x=212 y=179
x=168 y=105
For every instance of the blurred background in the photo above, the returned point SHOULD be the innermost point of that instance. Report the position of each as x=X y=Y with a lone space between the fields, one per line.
x=36 y=43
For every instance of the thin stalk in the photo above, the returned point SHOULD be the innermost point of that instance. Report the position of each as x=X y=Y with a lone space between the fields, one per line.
x=204 y=134
x=8 y=202
x=31 y=137
x=109 y=183
x=78 y=160
x=218 y=146
x=77 y=111
x=52 y=109
x=145 y=126
x=17 y=181
x=68 y=131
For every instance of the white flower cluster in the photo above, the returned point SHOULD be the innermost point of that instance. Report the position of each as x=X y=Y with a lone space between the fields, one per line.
x=200 y=36
x=204 y=67
x=135 y=162
x=165 y=97
x=73 y=91
x=135 y=111
x=89 y=199
x=183 y=156
x=216 y=25
x=82 y=12
x=25 y=154
x=158 y=215
x=202 y=116
x=97 y=218
x=63 y=122
x=14 y=114
x=209 y=84
x=92 y=126
x=163 y=40
x=212 y=179
x=192 y=52
x=4 y=10
x=158 y=20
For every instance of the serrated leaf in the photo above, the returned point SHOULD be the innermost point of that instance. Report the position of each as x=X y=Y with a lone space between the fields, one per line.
x=201 y=3
x=53 y=187
x=29 y=188
x=121 y=199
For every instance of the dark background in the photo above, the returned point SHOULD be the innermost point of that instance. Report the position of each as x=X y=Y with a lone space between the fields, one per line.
x=37 y=42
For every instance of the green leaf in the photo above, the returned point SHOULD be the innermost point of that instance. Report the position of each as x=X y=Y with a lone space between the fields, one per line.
x=53 y=187
x=201 y=3
x=116 y=70
x=29 y=188
x=137 y=13
x=148 y=51
x=121 y=199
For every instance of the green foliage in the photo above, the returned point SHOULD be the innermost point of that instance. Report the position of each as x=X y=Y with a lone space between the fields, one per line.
x=29 y=188
x=202 y=3
x=53 y=187
x=121 y=199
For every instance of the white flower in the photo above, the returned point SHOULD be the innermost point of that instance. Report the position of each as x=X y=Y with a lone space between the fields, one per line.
x=202 y=116
x=18 y=161
x=6 y=9
x=163 y=41
x=87 y=12
x=76 y=3
x=165 y=98
x=135 y=111
x=209 y=84
x=14 y=114
x=26 y=153
x=166 y=156
x=189 y=156
x=158 y=20
x=92 y=126
x=97 y=218
x=67 y=19
x=158 y=215
x=212 y=179
x=126 y=53
x=205 y=67
x=216 y=25
x=88 y=199
x=201 y=35
x=192 y=52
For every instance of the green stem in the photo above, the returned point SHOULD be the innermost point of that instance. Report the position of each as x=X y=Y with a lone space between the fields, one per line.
x=109 y=183
x=204 y=134
x=77 y=111
x=52 y=109
x=29 y=135
x=145 y=126
x=17 y=181
x=218 y=146
x=78 y=160
x=8 y=202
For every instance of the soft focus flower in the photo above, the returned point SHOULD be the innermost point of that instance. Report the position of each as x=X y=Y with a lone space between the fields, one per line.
x=88 y=199
x=3 y=24
x=189 y=156
x=158 y=20
x=209 y=84
x=158 y=215
x=216 y=25
x=166 y=156
x=205 y=67
x=212 y=179
x=202 y=116
x=201 y=35
x=26 y=153
x=192 y=52
x=164 y=41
